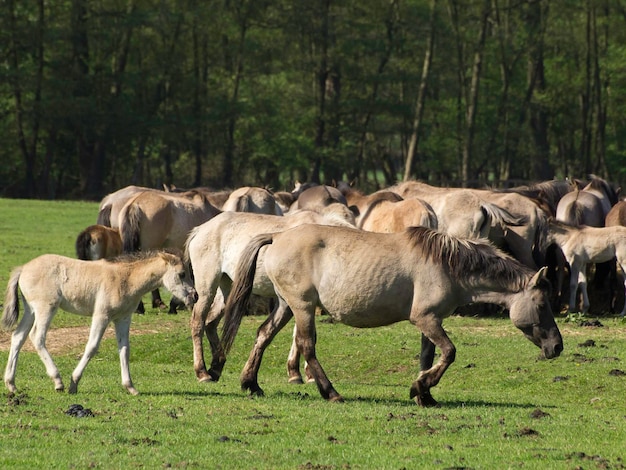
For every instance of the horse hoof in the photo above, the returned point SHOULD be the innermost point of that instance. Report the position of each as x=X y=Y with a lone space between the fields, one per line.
x=296 y=380
x=132 y=390
x=205 y=379
x=336 y=399
x=426 y=400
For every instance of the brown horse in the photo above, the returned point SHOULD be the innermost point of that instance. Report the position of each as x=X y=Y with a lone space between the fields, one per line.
x=151 y=220
x=252 y=199
x=360 y=202
x=213 y=250
x=104 y=290
x=524 y=238
x=366 y=280
x=387 y=216
x=316 y=197
x=97 y=242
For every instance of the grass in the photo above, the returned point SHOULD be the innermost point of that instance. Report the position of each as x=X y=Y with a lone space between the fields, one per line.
x=502 y=407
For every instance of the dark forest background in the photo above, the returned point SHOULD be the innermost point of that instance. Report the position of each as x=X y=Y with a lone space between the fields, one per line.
x=99 y=94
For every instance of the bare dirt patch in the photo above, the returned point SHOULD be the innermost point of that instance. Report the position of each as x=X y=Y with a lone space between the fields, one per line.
x=64 y=340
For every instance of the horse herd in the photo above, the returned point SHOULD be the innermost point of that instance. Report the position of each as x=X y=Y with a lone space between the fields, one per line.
x=411 y=252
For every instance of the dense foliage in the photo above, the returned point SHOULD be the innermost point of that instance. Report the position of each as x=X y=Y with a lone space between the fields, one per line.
x=95 y=95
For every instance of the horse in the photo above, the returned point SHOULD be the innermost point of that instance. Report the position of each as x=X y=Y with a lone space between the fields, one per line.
x=112 y=204
x=584 y=245
x=524 y=238
x=317 y=197
x=366 y=280
x=388 y=216
x=588 y=206
x=106 y=290
x=360 y=202
x=212 y=251
x=152 y=220
x=97 y=242
x=546 y=194
x=252 y=199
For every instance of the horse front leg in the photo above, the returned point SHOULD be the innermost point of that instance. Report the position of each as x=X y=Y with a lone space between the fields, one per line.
x=431 y=327
x=18 y=338
x=582 y=283
x=122 y=332
x=99 y=324
x=277 y=319
x=573 y=288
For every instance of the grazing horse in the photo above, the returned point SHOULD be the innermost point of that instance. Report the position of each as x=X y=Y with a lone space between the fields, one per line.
x=106 y=290
x=584 y=245
x=97 y=242
x=546 y=194
x=525 y=239
x=252 y=199
x=213 y=249
x=152 y=220
x=366 y=280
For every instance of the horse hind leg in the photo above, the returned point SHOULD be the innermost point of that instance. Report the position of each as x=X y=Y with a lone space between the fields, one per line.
x=38 y=338
x=18 y=338
x=305 y=341
x=293 y=364
x=278 y=318
x=205 y=316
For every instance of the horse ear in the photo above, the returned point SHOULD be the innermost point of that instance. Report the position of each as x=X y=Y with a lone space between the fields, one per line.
x=541 y=277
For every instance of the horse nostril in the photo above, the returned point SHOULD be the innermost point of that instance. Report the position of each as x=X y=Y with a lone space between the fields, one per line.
x=558 y=349
x=195 y=296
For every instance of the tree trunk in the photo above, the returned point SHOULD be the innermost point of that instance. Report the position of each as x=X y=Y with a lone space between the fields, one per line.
x=472 y=103
x=421 y=96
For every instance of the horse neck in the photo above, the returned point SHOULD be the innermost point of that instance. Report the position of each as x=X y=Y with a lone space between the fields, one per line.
x=146 y=275
x=559 y=235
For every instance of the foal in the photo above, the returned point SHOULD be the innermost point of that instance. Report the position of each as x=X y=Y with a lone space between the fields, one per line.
x=105 y=290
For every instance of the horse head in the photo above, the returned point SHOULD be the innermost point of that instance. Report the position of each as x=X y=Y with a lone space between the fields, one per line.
x=532 y=314
x=177 y=279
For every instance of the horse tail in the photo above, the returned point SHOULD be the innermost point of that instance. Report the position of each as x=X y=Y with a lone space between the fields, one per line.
x=368 y=212
x=129 y=227
x=11 y=300
x=82 y=245
x=186 y=256
x=501 y=216
x=540 y=245
x=104 y=215
x=243 y=204
x=239 y=297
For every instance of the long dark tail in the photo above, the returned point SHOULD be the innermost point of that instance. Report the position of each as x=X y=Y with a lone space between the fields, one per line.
x=237 y=302
x=129 y=228
x=82 y=244
x=104 y=216
x=11 y=300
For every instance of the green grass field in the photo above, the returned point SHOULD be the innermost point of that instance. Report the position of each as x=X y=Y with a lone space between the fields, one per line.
x=502 y=407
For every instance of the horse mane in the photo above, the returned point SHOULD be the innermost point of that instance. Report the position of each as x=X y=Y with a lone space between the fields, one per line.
x=600 y=184
x=467 y=259
x=139 y=256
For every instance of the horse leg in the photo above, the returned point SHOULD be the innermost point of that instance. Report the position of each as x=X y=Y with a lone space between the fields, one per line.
x=122 y=332
x=205 y=316
x=582 y=282
x=306 y=337
x=17 y=341
x=99 y=324
x=38 y=338
x=431 y=327
x=573 y=287
x=293 y=364
x=277 y=319
x=427 y=353
x=156 y=300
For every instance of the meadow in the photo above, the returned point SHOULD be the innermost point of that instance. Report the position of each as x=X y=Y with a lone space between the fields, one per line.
x=501 y=406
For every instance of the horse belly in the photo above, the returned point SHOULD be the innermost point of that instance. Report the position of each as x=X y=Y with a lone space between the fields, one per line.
x=369 y=307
